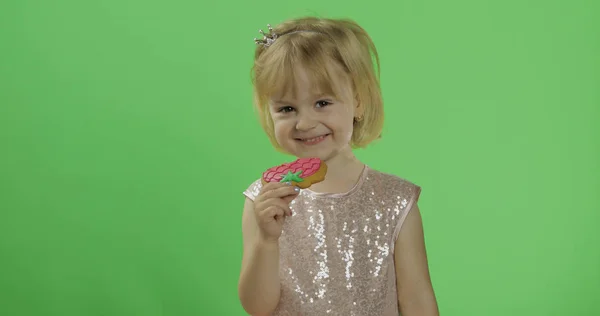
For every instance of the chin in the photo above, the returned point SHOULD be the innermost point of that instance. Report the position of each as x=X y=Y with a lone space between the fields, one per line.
x=324 y=155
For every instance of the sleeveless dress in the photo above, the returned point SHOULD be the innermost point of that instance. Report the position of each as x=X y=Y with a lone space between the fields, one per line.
x=337 y=250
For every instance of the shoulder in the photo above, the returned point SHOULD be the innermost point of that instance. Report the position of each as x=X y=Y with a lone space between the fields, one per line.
x=399 y=192
x=392 y=183
x=253 y=189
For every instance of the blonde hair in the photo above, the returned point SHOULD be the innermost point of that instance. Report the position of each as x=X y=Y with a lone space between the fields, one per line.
x=312 y=42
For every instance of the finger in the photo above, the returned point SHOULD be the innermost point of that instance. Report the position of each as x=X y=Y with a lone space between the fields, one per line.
x=273 y=211
x=270 y=187
x=288 y=199
x=274 y=202
x=281 y=192
x=281 y=203
x=274 y=185
x=287 y=209
x=282 y=197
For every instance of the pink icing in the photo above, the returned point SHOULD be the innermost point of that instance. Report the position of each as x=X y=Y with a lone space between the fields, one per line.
x=309 y=166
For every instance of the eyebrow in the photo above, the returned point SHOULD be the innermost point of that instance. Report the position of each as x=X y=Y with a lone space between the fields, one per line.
x=315 y=97
x=280 y=102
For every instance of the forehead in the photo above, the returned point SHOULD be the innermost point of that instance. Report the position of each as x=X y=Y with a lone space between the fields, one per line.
x=307 y=82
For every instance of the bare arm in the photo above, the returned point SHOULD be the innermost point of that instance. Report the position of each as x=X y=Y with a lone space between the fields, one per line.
x=415 y=291
x=259 y=286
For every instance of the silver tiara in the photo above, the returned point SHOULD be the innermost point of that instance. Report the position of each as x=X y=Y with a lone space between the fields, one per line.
x=267 y=39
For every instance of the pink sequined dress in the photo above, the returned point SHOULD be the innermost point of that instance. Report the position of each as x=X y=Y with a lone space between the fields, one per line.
x=337 y=250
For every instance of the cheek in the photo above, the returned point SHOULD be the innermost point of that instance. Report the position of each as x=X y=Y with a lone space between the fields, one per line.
x=344 y=126
x=338 y=121
x=346 y=133
x=281 y=128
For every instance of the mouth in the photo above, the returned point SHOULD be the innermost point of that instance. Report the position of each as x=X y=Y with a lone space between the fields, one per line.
x=313 y=140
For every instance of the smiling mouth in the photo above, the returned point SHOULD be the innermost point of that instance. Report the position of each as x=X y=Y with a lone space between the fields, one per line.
x=313 y=140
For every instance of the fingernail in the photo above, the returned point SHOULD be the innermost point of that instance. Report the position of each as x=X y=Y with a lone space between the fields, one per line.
x=297 y=189
x=288 y=183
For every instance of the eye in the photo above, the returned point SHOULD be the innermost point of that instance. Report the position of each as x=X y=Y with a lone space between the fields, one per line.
x=285 y=109
x=323 y=103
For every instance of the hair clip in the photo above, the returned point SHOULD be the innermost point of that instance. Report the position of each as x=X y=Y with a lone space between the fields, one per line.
x=267 y=39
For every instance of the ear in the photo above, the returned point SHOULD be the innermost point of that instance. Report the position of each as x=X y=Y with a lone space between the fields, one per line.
x=358 y=108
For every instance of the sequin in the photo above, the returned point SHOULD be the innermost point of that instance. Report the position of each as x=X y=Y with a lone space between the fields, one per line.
x=336 y=251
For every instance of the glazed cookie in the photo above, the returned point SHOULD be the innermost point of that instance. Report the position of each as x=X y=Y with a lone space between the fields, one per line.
x=302 y=172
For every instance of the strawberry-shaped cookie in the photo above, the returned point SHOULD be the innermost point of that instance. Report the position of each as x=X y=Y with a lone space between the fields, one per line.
x=303 y=172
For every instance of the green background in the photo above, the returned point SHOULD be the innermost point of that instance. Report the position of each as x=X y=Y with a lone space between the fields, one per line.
x=127 y=136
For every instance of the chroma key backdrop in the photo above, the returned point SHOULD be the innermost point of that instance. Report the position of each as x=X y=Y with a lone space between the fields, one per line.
x=127 y=136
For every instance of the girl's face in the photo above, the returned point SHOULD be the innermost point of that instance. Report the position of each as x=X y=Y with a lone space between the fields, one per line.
x=313 y=124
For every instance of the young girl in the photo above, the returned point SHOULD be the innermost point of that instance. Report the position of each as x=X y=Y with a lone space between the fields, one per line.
x=352 y=244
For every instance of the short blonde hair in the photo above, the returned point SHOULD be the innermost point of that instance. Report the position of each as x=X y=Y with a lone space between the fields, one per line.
x=314 y=43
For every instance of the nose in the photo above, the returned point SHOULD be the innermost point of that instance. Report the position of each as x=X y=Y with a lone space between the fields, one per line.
x=306 y=121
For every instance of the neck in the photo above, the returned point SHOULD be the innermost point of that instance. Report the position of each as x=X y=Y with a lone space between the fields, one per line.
x=343 y=171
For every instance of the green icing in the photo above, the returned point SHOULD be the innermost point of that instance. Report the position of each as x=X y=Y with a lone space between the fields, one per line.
x=292 y=177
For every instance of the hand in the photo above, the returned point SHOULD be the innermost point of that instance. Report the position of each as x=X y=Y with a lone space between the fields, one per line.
x=271 y=206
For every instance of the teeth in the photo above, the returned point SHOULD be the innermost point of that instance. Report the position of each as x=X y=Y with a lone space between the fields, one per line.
x=314 y=139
